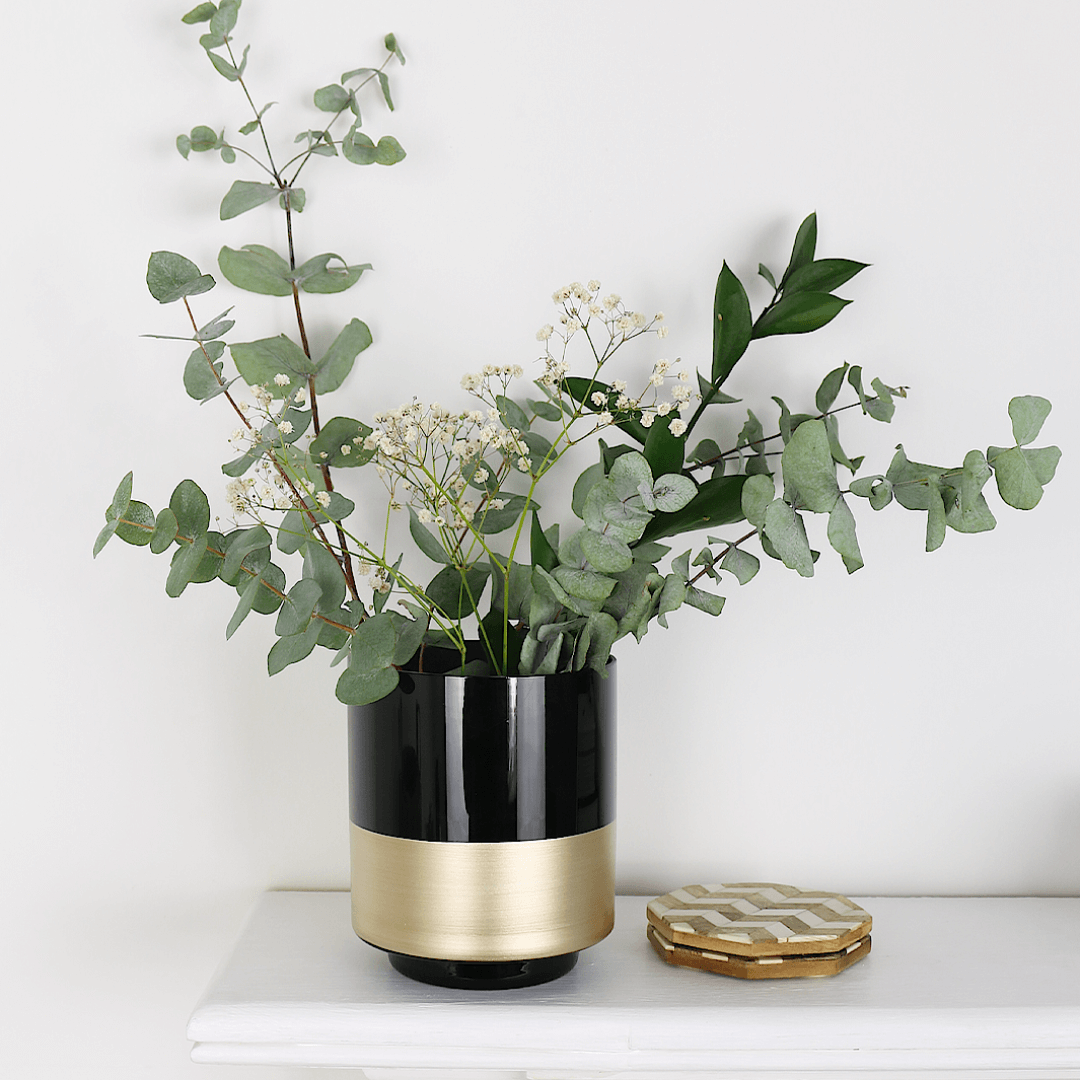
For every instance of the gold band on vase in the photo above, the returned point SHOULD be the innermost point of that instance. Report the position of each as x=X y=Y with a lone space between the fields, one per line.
x=486 y=901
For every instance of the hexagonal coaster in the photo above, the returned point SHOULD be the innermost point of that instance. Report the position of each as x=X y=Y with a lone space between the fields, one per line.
x=759 y=919
x=762 y=967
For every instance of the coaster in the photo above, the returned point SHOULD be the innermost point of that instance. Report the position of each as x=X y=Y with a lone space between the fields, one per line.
x=759 y=919
x=762 y=967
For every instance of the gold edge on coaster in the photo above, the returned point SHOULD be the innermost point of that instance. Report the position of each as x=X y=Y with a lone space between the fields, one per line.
x=763 y=968
x=757 y=948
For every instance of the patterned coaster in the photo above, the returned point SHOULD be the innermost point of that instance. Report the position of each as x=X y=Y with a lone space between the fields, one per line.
x=758 y=919
x=764 y=967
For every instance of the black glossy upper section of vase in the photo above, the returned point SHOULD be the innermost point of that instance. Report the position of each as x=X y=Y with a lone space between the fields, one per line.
x=484 y=758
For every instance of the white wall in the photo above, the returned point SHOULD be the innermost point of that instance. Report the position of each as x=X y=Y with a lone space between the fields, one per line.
x=906 y=730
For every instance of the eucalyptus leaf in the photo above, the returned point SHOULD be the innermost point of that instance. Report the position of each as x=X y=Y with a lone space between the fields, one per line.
x=717 y=502
x=322 y=567
x=340 y=443
x=318 y=276
x=239 y=545
x=456 y=592
x=513 y=415
x=672 y=596
x=336 y=363
x=171 y=277
x=841 y=533
x=136 y=525
x=426 y=541
x=243 y=607
x=672 y=492
x=935 y=518
x=356 y=687
x=165 y=529
x=708 y=602
x=294 y=648
x=184 y=566
x=1028 y=415
x=809 y=470
x=829 y=389
x=740 y=563
x=785 y=530
x=1021 y=473
x=202 y=372
x=757 y=493
x=605 y=553
x=332 y=98
x=199 y=14
x=191 y=508
x=260 y=361
x=388 y=151
x=257 y=269
x=295 y=612
x=245 y=195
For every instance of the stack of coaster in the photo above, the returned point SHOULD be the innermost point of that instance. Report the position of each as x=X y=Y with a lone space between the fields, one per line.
x=758 y=930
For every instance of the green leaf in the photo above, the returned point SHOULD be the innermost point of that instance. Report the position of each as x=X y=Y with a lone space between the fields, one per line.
x=245 y=195
x=294 y=648
x=217 y=327
x=823 y=275
x=425 y=540
x=389 y=151
x=1028 y=415
x=293 y=199
x=583 y=485
x=513 y=416
x=204 y=138
x=672 y=596
x=489 y=521
x=606 y=511
x=224 y=19
x=202 y=372
x=809 y=470
x=456 y=592
x=766 y=273
x=240 y=544
x=357 y=147
x=295 y=612
x=104 y=537
x=392 y=46
x=841 y=535
x=786 y=532
x=136 y=525
x=758 y=492
x=243 y=608
x=185 y=565
x=256 y=269
x=191 y=509
x=935 y=519
x=183 y=144
x=832 y=429
x=708 y=602
x=672 y=492
x=363 y=687
x=799 y=313
x=802 y=253
x=336 y=363
x=732 y=324
x=740 y=563
x=165 y=529
x=228 y=155
x=830 y=388
x=912 y=482
x=603 y=631
x=881 y=407
x=171 y=277
x=340 y=443
x=605 y=553
x=317 y=276
x=323 y=568
x=410 y=635
x=584 y=584
x=223 y=68
x=541 y=552
x=717 y=502
x=259 y=361
x=199 y=14
x=875 y=488
x=384 y=83
x=664 y=451
x=1021 y=473
x=249 y=127
x=332 y=98
x=546 y=410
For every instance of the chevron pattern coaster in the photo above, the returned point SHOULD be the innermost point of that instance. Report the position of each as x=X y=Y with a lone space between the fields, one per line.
x=759 y=919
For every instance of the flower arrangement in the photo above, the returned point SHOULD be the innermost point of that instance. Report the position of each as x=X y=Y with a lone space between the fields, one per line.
x=538 y=597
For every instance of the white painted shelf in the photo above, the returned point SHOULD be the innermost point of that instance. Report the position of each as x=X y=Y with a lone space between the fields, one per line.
x=959 y=988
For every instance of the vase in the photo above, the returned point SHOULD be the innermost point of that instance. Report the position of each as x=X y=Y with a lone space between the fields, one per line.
x=482 y=828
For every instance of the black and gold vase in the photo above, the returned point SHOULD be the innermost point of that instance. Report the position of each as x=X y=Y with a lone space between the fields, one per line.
x=483 y=822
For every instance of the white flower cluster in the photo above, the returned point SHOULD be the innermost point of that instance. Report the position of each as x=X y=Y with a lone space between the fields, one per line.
x=428 y=456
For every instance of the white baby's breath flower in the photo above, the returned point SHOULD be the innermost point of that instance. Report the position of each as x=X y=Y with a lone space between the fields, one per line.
x=622 y=402
x=605 y=418
x=345 y=449
x=285 y=427
x=545 y=332
x=524 y=463
x=594 y=285
x=516 y=371
x=423 y=515
x=281 y=379
x=472 y=383
x=678 y=427
x=624 y=323
x=661 y=331
x=647 y=419
x=598 y=398
x=496 y=504
x=619 y=385
x=664 y=408
x=323 y=498
x=638 y=319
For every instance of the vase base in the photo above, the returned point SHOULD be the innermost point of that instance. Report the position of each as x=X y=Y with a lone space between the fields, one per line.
x=483 y=975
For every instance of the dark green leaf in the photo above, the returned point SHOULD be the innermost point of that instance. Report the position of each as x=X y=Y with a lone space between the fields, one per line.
x=766 y=273
x=799 y=313
x=732 y=324
x=664 y=451
x=489 y=521
x=245 y=195
x=171 y=277
x=823 y=275
x=256 y=269
x=718 y=502
x=341 y=441
x=457 y=592
x=802 y=252
x=541 y=552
